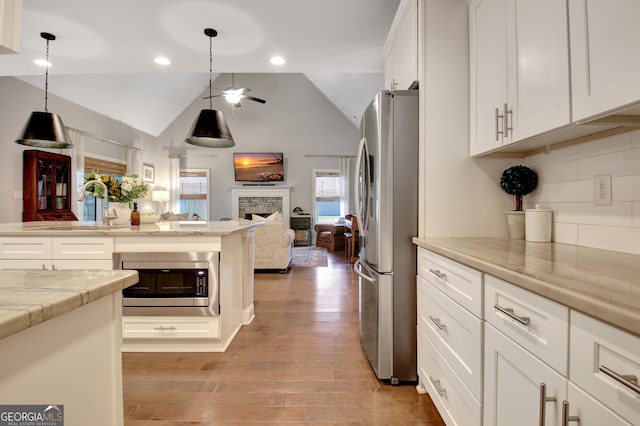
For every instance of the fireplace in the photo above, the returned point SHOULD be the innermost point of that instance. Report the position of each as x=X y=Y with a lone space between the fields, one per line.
x=247 y=201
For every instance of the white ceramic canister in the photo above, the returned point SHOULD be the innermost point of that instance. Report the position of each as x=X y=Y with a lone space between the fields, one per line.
x=538 y=224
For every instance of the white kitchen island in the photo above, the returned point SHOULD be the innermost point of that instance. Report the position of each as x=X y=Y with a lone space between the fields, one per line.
x=60 y=340
x=81 y=245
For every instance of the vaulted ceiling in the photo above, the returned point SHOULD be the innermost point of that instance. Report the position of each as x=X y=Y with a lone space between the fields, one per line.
x=103 y=57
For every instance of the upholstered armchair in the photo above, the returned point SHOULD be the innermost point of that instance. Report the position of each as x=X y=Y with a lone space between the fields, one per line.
x=330 y=236
x=273 y=245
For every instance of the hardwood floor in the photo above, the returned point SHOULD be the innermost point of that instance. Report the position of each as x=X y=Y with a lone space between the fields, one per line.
x=299 y=362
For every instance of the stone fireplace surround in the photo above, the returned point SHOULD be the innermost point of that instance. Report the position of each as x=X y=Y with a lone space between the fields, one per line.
x=260 y=200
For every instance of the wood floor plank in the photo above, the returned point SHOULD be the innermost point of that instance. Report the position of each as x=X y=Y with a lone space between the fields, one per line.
x=298 y=363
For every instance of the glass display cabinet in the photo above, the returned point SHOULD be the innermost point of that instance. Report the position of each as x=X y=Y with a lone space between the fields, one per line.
x=46 y=185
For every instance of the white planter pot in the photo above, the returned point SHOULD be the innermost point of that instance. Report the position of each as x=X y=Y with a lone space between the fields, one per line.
x=515 y=220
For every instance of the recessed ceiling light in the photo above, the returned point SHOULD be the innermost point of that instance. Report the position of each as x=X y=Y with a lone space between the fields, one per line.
x=161 y=60
x=42 y=63
x=277 y=60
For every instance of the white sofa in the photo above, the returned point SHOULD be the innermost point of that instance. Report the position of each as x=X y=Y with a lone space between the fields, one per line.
x=273 y=245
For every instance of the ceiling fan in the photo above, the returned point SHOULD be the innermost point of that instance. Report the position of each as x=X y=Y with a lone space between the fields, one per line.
x=234 y=95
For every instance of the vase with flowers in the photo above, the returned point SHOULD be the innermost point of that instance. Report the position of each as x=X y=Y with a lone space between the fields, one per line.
x=122 y=190
x=518 y=181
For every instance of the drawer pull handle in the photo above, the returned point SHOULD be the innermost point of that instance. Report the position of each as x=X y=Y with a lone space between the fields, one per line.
x=628 y=380
x=509 y=312
x=566 y=418
x=162 y=327
x=438 y=274
x=437 y=322
x=543 y=403
x=438 y=386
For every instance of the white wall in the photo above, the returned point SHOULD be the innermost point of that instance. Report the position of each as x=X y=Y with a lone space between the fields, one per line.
x=566 y=186
x=460 y=196
x=297 y=120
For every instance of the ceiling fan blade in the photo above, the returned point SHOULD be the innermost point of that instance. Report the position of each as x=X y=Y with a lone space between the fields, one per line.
x=262 y=101
x=212 y=96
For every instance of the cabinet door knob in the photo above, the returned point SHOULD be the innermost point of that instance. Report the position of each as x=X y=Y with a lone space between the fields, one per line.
x=498 y=131
x=438 y=386
x=566 y=418
x=438 y=274
x=437 y=322
x=509 y=312
x=628 y=380
x=505 y=121
x=543 y=403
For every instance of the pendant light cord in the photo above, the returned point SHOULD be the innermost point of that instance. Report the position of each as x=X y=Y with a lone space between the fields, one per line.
x=46 y=80
x=210 y=71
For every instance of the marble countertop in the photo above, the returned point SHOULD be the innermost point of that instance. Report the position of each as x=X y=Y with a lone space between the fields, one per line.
x=31 y=297
x=601 y=283
x=24 y=229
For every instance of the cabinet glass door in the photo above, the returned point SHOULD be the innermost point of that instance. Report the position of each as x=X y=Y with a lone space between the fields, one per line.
x=62 y=199
x=45 y=184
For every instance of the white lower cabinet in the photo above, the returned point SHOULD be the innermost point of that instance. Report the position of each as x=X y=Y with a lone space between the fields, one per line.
x=56 y=253
x=513 y=379
x=605 y=363
x=588 y=411
x=171 y=328
x=454 y=401
x=450 y=337
x=492 y=353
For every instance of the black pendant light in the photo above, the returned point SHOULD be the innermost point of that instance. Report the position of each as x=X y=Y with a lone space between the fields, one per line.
x=45 y=129
x=210 y=128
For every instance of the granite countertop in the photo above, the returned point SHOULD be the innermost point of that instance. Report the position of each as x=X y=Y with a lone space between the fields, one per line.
x=61 y=228
x=600 y=283
x=31 y=297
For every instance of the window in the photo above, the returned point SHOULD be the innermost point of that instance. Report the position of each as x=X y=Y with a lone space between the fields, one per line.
x=103 y=167
x=194 y=192
x=326 y=187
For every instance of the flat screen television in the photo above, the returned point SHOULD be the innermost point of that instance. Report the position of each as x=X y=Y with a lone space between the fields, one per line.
x=258 y=166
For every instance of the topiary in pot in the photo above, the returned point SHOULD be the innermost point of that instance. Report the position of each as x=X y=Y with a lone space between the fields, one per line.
x=518 y=181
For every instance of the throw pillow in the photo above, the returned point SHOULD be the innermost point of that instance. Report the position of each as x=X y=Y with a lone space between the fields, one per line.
x=274 y=217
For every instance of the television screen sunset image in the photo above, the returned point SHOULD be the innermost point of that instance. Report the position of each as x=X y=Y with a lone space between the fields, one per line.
x=258 y=166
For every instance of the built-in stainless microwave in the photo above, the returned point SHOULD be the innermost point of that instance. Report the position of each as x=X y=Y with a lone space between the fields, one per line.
x=172 y=283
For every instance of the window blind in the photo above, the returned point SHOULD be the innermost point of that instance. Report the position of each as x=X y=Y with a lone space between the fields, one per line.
x=327 y=186
x=104 y=167
x=193 y=185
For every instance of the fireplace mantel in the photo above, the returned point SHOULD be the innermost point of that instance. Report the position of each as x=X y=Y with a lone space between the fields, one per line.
x=258 y=192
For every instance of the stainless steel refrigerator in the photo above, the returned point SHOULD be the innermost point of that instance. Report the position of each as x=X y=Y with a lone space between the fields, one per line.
x=386 y=193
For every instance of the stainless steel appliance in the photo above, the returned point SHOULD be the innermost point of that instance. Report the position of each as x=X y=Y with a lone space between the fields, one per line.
x=175 y=283
x=386 y=192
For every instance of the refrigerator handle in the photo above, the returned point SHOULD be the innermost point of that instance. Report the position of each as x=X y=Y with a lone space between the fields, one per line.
x=356 y=186
x=359 y=272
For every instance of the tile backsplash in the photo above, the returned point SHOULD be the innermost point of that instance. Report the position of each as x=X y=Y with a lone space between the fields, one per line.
x=566 y=185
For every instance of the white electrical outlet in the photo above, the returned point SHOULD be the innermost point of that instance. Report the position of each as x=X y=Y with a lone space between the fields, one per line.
x=602 y=190
x=17 y=194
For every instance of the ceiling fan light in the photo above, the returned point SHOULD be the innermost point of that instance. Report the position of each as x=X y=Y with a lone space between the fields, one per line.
x=45 y=130
x=233 y=96
x=210 y=130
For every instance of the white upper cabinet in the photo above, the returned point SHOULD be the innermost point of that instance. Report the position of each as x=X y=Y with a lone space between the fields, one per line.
x=10 y=26
x=401 y=48
x=519 y=71
x=605 y=64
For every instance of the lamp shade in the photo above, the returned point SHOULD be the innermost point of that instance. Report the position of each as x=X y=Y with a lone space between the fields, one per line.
x=45 y=130
x=159 y=195
x=210 y=130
